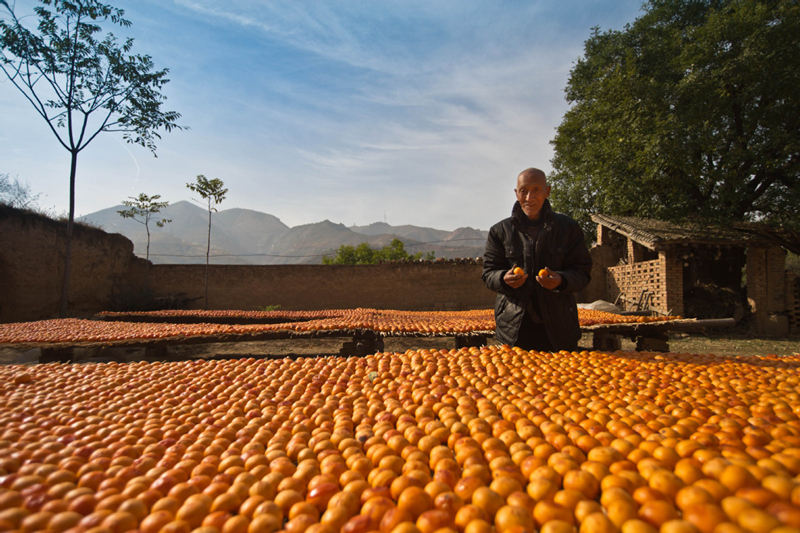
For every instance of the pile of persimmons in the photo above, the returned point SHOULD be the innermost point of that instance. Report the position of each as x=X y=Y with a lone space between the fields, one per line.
x=587 y=317
x=479 y=440
x=388 y=322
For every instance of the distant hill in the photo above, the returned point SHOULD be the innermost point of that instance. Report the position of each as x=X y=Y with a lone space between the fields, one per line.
x=244 y=236
x=410 y=232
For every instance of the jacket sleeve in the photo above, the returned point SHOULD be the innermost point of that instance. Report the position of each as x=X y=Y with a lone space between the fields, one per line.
x=495 y=263
x=577 y=268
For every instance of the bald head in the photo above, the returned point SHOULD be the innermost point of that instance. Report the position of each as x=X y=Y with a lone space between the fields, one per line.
x=532 y=190
x=532 y=173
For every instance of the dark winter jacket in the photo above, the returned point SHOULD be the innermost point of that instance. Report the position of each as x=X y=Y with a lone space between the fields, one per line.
x=559 y=247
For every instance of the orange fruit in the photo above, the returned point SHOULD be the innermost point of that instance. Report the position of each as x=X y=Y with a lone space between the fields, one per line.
x=557 y=526
x=705 y=516
x=488 y=500
x=692 y=495
x=435 y=519
x=585 y=508
x=678 y=526
x=637 y=526
x=475 y=526
x=467 y=514
x=597 y=523
x=620 y=511
x=656 y=512
x=511 y=516
x=541 y=488
x=547 y=510
x=583 y=482
x=415 y=501
x=393 y=518
x=757 y=521
x=735 y=477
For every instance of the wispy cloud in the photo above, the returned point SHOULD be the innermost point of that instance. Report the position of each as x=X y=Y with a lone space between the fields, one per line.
x=313 y=110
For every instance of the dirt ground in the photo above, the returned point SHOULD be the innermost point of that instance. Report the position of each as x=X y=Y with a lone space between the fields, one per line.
x=718 y=343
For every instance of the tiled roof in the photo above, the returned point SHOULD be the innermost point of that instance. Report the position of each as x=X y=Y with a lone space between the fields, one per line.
x=657 y=234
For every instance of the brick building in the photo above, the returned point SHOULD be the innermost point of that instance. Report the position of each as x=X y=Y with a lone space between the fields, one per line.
x=654 y=262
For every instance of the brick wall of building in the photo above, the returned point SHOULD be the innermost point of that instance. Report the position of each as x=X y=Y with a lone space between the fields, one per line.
x=672 y=270
x=776 y=279
x=635 y=251
x=766 y=290
x=793 y=301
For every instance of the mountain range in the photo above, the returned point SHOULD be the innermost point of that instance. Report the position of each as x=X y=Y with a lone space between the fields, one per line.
x=245 y=236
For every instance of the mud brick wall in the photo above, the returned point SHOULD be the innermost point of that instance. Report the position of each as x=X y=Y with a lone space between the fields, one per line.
x=405 y=286
x=104 y=269
x=32 y=249
x=603 y=257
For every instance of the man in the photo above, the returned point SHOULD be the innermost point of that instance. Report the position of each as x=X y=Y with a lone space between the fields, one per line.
x=531 y=311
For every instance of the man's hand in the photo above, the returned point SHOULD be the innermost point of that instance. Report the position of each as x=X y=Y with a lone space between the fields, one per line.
x=551 y=280
x=514 y=281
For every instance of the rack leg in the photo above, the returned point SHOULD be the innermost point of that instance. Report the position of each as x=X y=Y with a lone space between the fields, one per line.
x=602 y=340
x=653 y=343
x=55 y=355
x=468 y=341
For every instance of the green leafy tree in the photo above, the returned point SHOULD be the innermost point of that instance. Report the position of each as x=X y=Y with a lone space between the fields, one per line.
x=212 y=192
x=693 y=110
x=141 y=209
x=363 y=254
x=82 y=84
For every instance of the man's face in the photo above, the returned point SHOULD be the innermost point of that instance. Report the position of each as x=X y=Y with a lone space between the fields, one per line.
x=532 y=190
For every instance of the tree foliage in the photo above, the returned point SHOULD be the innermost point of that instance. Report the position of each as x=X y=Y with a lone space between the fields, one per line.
x=81 y=83
x=141 y=209
x=690 y=111
x=212 y=191
x=363 y=254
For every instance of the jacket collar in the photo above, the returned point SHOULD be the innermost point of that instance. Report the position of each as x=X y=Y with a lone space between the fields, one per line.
x=519 y=218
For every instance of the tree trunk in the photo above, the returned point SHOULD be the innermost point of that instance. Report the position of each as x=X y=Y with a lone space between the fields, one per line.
x=147 y=254
x=208 y=251
x=147 y=257
x=70 y=222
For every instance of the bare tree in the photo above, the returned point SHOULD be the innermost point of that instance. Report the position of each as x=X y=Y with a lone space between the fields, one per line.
x=212 y=192
x=82 y=85
x=141 y=209
x=17 y=194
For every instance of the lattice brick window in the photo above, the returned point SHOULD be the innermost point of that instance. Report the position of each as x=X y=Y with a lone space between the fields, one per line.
x=631 y=281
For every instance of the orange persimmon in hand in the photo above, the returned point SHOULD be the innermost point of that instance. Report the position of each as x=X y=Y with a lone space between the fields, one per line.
x=515 y=277
x=549 y=279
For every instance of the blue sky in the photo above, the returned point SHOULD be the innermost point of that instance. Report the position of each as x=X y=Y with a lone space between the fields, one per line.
x=416 y=112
